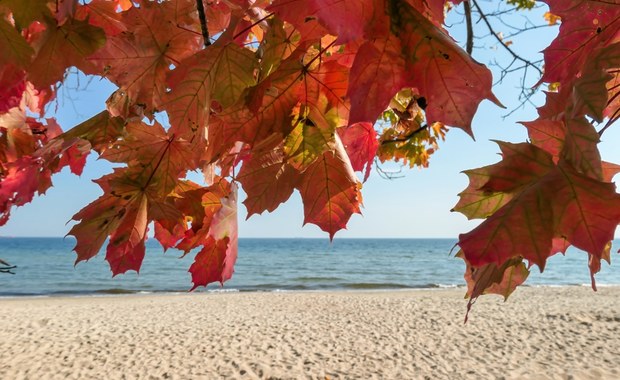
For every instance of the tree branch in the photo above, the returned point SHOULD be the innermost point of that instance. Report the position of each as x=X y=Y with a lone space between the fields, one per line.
x=6 y=267
x=203 y=22
x=469 y=47
x=406 y=137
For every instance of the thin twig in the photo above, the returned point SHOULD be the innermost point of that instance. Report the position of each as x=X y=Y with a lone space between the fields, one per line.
x=6 y=267
x=469 y=47
x=386 y=174
x=203 y=22
x=508 y=49
x=407 y=137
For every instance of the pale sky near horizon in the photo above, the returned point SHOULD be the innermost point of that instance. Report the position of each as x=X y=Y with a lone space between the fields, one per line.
x=415 y=206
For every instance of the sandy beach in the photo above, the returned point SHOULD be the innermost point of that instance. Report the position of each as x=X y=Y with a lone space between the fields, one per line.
x=540 y=333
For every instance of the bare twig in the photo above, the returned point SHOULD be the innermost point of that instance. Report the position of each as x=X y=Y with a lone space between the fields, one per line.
x=203 y=22
x=6 y=267
x=388 y=174
x=516 y=56
x=469 y=47
x=406 y=137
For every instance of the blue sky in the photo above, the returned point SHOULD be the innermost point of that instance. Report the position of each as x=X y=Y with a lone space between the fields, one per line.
x=417 y=205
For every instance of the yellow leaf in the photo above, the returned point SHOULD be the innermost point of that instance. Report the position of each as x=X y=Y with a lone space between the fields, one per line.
x=554 y=87
x=551 y=18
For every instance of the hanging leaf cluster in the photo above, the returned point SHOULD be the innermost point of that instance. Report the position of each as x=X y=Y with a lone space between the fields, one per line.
x=283 y=96
x=553 y=191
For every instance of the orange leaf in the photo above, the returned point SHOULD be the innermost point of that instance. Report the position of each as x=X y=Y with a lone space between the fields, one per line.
x=330 y=191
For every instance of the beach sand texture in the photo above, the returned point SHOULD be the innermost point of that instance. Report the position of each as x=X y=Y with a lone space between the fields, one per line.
x=540 y=333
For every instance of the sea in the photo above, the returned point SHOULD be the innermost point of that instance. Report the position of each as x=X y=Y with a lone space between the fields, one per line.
x=45 y=267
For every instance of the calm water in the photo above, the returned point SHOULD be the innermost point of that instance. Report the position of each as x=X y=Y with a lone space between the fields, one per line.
x=45 y=267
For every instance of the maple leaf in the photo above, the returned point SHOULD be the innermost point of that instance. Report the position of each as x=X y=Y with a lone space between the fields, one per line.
x=126 y=247
x=199 y=204
x=24 y=13
x=269 y=108
x=224 y=226
x=72 y=147
x=22 y=179
x=590 y=95
x=573 y=139
x=267 y=179
x=609 y=60
x=360 y=142
x=330 y=191
x=609 y=170
x=22 y=170
x=409 y=141
x=209 y=263
x=17 y=138
x=580 y=147
x=348 y=21
x=555 y=105
x=613 y=90
x=296 y=12
x=377 y=74
x=311 y=136
x=161 y=156
x=130 y=201
x=433 y=10
x=586 y=26
x=275 y=46
x=139 y=58
x=14 y=48
x=548 y=135
x=103 y=14
x=218 y=16
x=62 y=47
x=453 y=83
x=13 y=81
x=103 y=216
x=594 y=263
x=491 y=279
x=548 y=201
x=59 y=153
x=168 y=234
x=287 y=94
x=100 y=131
x=219 y=73
x=476 y=203
x=292 y=92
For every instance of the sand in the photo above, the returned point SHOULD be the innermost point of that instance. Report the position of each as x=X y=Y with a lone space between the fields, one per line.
x=540 y=333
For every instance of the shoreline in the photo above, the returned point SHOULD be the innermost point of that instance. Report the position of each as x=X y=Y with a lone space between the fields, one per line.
x=140 y=293
x=539 y=333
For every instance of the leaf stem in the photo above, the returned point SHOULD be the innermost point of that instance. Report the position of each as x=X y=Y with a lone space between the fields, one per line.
x=253 y=25
x=612 y=119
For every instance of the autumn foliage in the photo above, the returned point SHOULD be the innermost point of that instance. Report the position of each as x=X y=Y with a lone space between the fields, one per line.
x=285 y=95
